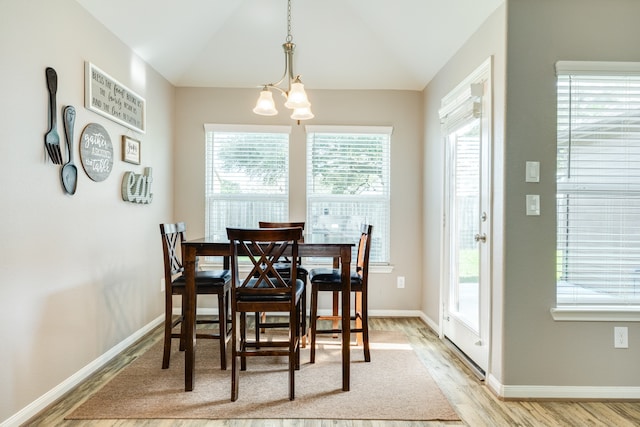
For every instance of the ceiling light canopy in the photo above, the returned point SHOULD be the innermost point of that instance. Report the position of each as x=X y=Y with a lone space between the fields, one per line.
x=294 y=93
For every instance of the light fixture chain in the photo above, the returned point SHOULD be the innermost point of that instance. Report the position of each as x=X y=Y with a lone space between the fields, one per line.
x=289 y=36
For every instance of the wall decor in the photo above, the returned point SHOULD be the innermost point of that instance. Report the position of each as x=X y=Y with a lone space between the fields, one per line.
x=69 y=171
x=136 y=188
x=96 y=152
x=130 y=150
x=52 y=138
x=106 y=96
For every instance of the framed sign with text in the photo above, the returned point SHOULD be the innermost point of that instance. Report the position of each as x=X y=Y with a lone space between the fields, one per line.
x=106 y=96
x=130 y=150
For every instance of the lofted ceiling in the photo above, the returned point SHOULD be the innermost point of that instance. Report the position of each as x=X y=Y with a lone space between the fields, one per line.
x=340 y=44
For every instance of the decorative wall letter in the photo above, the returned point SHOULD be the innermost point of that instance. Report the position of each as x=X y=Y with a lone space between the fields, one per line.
x=136 y=188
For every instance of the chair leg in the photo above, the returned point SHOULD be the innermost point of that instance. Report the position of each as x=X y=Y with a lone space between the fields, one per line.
x=168 y=322
x=365 y=326
x=258 y=319
x=298 y=338
x=222 y=327
x=303 y=310
x=313 y=319
x=263 y=319
x=243 y=340
x=293 y=350
x=358 y=316
x=235 y=377
x=336 y=304
x=182 y=333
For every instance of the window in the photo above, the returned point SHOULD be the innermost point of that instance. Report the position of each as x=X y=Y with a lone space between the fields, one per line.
x=348 y=184
x=247 y=176
x=598 y=184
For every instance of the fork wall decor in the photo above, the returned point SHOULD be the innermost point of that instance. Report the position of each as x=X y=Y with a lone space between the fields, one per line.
x=52 y=138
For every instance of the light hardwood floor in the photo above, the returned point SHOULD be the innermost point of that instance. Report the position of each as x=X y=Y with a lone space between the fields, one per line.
x=473 y=401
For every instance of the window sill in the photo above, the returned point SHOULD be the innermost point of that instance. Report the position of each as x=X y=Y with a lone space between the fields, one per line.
x=596 y=314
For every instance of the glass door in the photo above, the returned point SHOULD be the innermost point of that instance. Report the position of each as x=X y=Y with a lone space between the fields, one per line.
x=467 y=219
x=467 y=238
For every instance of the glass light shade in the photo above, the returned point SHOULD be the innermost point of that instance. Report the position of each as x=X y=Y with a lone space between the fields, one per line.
x=265 y=105
x=297 y=97
x=303 y=113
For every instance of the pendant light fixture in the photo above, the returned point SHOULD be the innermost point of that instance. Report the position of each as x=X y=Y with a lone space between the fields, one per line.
x=294 y=93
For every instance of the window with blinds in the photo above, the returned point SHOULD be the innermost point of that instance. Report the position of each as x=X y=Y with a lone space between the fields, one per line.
x=598 y=183
x=348 y=184
x=247 y=176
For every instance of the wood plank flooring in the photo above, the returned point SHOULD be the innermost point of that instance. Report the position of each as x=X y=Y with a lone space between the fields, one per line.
x=473 y=401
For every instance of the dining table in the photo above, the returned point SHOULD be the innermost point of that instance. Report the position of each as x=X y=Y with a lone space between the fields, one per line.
x=340 y=253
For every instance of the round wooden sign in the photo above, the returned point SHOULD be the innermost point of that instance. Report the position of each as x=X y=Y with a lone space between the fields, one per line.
x=96 y=152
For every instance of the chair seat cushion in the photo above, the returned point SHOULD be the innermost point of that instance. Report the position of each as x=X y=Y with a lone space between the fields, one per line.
x=329 y=279
x=285 y=267
x=300 y=286
x=205 y=278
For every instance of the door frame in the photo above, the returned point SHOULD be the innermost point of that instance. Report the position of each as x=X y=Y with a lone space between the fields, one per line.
x=481 y=358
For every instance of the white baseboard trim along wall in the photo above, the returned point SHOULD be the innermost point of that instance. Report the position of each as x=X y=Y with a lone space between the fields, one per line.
x=562 y=392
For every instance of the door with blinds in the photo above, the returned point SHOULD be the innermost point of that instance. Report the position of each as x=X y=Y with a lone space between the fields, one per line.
x=465 y=117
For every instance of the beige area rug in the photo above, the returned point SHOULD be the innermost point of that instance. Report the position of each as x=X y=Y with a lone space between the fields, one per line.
x=395 y=385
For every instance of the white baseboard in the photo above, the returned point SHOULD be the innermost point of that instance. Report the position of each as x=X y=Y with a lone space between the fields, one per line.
x=430 y=322
x=563 y=392
x=64 y=387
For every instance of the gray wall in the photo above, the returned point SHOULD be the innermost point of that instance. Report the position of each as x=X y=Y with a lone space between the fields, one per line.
x=400 y=109
x=80 y=273
x=537 y=349
x=529 y=348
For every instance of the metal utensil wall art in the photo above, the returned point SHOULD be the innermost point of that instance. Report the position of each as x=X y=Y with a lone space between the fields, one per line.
x=96 y=152
x=69 y=172
x=52 y=138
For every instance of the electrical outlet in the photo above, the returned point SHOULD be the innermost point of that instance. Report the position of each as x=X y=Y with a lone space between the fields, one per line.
x=400 y=282
x=621 y=337
x=161 y=285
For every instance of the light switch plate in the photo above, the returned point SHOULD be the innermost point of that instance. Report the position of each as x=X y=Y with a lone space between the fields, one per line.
x=533 y=204
x=532 y=173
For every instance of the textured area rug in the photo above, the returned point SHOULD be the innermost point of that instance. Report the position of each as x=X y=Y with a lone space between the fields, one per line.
x=395 y=385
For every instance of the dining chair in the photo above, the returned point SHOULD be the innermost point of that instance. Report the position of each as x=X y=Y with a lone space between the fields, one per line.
x=210 y=282
x=283 y=267
x=329 y=280
x=264 y=289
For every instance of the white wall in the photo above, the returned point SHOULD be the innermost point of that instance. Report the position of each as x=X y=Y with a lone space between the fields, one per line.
x=400 y=109
x=79 y=273
x=488 y=41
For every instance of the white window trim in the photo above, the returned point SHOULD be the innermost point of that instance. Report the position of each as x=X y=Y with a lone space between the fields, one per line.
x=586 y=313
x=601 y=313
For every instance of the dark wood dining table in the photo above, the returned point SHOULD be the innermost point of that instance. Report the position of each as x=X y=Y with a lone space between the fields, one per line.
x=209 y=246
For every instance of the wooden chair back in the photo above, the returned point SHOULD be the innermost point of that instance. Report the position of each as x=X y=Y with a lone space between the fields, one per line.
x=364 y=250
x=269 y=224
x=263 y=248
x=172 y=237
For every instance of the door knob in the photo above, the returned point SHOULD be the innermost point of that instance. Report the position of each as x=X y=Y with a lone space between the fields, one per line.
x=480 y=238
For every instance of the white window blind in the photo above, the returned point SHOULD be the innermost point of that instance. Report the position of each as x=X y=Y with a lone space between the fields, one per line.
x=598 y=183
x=348 y=184
x=247 y=176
